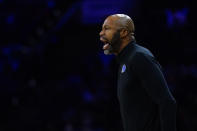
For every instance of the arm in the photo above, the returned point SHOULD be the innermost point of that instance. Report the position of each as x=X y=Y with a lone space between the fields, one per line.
x=152 y=79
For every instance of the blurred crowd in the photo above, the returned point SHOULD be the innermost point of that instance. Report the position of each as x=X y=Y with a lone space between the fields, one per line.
x=52 y=93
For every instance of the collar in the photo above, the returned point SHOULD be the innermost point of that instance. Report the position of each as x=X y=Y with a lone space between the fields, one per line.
x=123 y=55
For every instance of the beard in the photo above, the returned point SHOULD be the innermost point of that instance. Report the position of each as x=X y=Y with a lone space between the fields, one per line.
x=114 y=44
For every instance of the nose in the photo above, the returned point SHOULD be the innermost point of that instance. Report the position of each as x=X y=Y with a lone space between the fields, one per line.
x=101 y=33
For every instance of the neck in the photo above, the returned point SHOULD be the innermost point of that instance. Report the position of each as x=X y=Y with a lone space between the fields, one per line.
x=122 y=46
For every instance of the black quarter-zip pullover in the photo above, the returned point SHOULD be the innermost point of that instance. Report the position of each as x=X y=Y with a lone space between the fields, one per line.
x=146 y=103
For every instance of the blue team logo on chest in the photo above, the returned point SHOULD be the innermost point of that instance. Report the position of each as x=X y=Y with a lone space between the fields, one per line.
x=123 y=68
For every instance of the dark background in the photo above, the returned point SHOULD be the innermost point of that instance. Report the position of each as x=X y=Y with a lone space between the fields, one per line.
x=55 y=77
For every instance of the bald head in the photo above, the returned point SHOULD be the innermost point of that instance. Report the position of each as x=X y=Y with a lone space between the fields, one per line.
x=123 y=21
x=117 y=31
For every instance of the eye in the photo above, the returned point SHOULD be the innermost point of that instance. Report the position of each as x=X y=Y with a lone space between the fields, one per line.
x=106 y=28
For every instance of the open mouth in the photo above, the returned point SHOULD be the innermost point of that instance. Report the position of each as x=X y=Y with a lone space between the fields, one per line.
x=106 y=45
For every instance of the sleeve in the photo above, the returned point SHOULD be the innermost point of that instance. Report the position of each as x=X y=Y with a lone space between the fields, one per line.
x=152 y=79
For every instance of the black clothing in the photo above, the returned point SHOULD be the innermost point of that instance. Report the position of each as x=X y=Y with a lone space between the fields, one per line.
x=146 y=103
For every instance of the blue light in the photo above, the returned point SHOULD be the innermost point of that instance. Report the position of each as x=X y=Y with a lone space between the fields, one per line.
x=177 y=18
x=93 y=11
x=51 y=4
x=68 y=15
x=10 y=19
x=1 y=1
x=170 y=20
x=106 y=59
x=6 y=51
x=181 y=15
x=88 y=97
x=15 y=65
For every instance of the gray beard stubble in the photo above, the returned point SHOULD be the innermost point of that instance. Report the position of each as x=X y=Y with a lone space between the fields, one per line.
x=114 y=44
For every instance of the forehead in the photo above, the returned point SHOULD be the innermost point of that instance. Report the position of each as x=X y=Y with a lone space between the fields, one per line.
x=110 y=21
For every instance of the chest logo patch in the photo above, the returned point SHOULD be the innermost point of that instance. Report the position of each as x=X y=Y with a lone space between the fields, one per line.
x=123 y=68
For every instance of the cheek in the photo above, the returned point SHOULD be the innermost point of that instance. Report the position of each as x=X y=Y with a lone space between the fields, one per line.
x=109 y=35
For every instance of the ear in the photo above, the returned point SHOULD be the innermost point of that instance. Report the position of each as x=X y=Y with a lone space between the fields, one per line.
x=123 y=33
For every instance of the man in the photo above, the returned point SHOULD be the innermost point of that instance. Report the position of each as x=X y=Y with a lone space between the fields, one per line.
x=146 y=103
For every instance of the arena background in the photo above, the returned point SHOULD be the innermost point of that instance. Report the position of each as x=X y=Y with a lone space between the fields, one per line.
x=55 y=77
